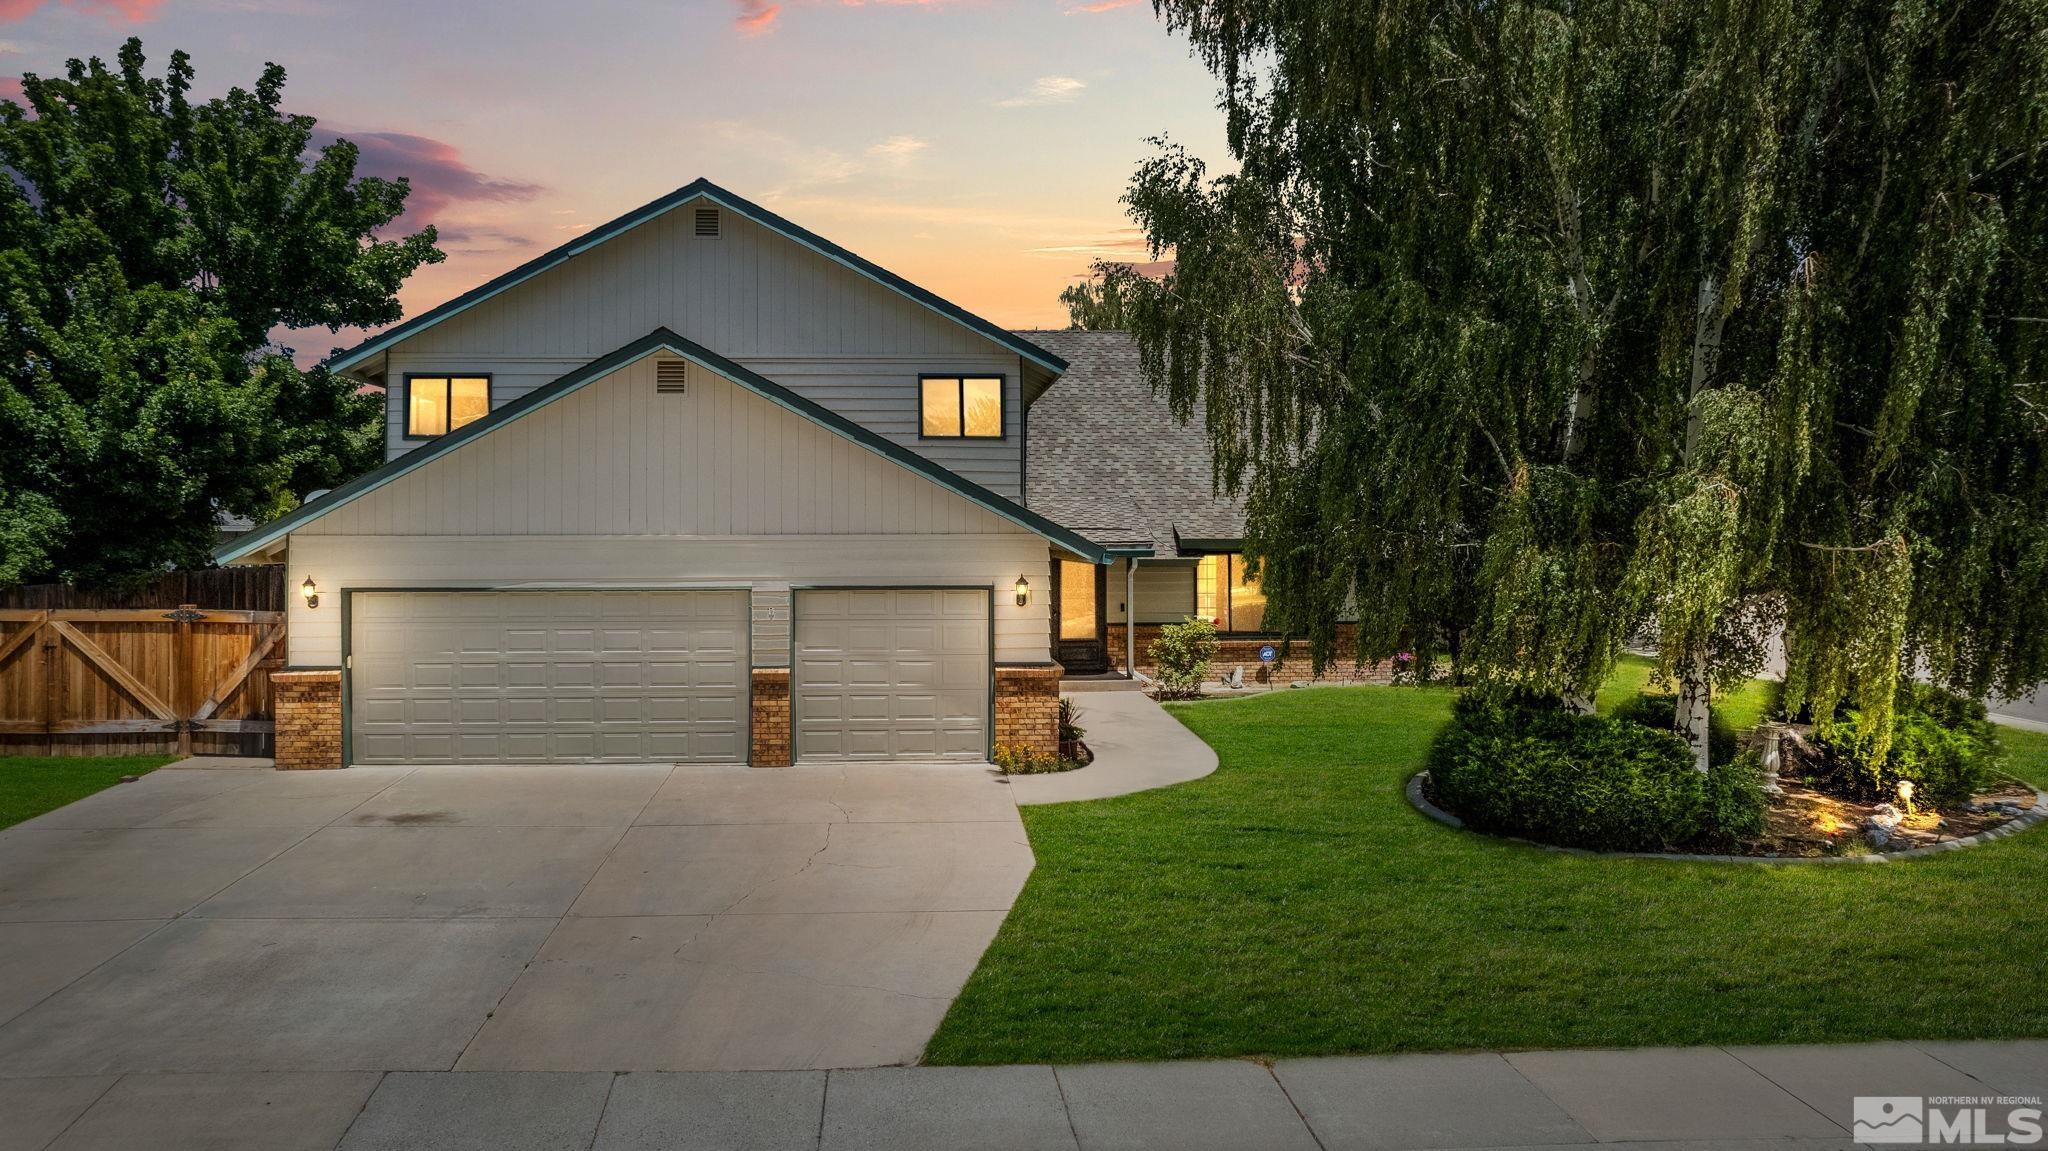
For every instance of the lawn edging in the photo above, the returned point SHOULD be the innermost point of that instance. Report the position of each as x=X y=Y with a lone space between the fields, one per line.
x=2032 y=816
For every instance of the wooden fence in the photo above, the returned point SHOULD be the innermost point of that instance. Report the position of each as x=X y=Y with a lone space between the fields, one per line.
x=135 y=680
x=254 y=588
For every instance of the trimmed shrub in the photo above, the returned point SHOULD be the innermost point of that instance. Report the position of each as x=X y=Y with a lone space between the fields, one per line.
x=1182 y=653
x=1520 y=763
x=1657 y=711
x=1735 y=800
x=1941 y=742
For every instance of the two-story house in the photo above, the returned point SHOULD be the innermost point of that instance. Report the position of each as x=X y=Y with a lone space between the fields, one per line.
x=702 y=486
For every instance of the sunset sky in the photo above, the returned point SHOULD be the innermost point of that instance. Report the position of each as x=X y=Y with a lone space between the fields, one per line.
x=977 y=147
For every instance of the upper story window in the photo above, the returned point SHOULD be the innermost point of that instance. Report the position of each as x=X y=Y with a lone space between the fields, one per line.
x=435 y=405
x=1227 y=596
x=960 y=407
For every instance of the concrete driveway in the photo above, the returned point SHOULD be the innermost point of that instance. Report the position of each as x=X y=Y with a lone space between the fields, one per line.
x=498 y=918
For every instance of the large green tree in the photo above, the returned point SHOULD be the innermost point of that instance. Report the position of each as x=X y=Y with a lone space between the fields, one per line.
x=1529 y=325
x=149 y=248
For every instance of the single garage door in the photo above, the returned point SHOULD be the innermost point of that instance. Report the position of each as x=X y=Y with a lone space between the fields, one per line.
x=892 y=673
x=548 y=677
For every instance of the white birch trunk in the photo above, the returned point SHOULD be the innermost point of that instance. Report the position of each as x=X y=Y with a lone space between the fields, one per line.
x=1695 y=690
x=1695 y=703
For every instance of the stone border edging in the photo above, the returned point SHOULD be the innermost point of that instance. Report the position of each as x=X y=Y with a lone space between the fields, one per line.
x=2014 y=826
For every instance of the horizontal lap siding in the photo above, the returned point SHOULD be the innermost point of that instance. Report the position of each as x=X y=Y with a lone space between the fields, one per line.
x=1166 y=591
x=751 y=295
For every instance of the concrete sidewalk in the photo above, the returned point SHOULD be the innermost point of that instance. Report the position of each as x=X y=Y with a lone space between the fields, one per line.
x=1785 y=1098
x=1137 y=747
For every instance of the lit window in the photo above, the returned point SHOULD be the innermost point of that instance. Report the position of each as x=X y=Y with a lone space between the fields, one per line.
x=435 y=405
x=961 y=407
x=1227 y=596
x=1077 y=600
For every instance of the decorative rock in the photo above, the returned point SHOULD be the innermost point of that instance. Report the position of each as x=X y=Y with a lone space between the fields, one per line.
x=1884 y=815
x=130 y=778
x=1877 y=835
x=1299 y=683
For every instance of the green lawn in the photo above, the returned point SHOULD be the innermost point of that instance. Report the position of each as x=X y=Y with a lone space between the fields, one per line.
x=1631 y=676
x=31 y=785
x=1293 y=904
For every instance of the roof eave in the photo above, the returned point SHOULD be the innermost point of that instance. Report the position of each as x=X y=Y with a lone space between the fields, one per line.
x=660 y=339
x=654 y=209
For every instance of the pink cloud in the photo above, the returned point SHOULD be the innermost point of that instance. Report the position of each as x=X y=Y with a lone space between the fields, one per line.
x=757 y=17
x=439 y=176
x=1104 y=6
x=10 y=89
x=118 y=11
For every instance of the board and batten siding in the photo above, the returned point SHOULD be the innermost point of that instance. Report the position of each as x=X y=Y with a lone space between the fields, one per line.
x=618 y=485
x=750 y=295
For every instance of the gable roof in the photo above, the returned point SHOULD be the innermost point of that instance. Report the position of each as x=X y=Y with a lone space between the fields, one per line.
x=1104 y=455
x=660 y=339
x=695 y=190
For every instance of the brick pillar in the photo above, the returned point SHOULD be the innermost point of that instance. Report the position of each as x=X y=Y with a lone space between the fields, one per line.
x=307 y=706
x=1028 y=706
x=771 y=717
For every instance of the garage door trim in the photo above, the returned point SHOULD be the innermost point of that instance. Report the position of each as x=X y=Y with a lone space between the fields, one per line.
x=348 y=594
x=988 y=707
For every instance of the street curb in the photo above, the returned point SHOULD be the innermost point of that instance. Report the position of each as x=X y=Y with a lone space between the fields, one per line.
x=2020 y=823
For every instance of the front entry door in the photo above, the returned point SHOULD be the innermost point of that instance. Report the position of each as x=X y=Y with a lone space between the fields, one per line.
x=1079 y=618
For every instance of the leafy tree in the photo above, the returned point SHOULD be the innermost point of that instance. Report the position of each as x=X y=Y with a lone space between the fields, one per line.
x=1528 y=324
x=1095 y=304
x=148 y=248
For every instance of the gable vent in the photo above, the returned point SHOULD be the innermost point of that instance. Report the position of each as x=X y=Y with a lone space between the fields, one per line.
x=671 y=376
x=707 y=222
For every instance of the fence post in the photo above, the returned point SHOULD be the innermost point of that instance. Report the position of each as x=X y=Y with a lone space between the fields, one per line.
x=50 y=653
x=182 y=703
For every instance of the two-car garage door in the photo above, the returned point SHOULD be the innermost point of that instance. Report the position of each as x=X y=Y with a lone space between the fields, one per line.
x=548 y=676
x=661 y=676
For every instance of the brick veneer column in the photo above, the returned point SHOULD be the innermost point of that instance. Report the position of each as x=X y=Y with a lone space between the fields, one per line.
x=1028 y=706
x=307 y=707
x=771 y=718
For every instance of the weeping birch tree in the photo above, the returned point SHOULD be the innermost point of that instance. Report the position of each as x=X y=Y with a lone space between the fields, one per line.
x=1527 y=326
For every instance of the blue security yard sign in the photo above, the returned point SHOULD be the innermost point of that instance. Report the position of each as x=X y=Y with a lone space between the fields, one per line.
x=1266 y=653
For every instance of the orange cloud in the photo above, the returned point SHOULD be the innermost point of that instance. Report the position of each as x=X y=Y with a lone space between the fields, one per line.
x=119 y=11
x=756 y=17
x=1104 y=6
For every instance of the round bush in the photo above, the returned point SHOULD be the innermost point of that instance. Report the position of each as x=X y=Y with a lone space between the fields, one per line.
x=1940 y=742
x=1516 y=763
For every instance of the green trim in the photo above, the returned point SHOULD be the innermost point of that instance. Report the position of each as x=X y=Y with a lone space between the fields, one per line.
x=660 y=339
x=654 y=209
x=1206 y=546
x=1129 y=552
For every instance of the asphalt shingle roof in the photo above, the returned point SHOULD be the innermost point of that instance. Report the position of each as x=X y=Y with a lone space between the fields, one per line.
x=1105 y=457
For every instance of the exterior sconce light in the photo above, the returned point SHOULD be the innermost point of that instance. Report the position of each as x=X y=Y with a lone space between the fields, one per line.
x=1023 y=591
x=311 y=593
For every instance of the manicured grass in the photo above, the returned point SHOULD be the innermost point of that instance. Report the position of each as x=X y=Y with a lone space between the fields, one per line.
x=1294 y=904
x=32 y=785
x=1742 y=708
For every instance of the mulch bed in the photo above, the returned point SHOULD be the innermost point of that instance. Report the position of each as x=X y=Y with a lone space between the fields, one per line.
x=1804 y=821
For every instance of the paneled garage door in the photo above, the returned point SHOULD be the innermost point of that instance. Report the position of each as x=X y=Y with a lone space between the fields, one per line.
x=891 y=673
x=548 y=676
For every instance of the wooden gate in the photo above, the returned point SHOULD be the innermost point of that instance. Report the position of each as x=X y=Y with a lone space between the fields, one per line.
x=111 y=681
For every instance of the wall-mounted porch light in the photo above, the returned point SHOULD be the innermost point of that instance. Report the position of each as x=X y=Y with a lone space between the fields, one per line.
x=1023 y=591
x=311 y=593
